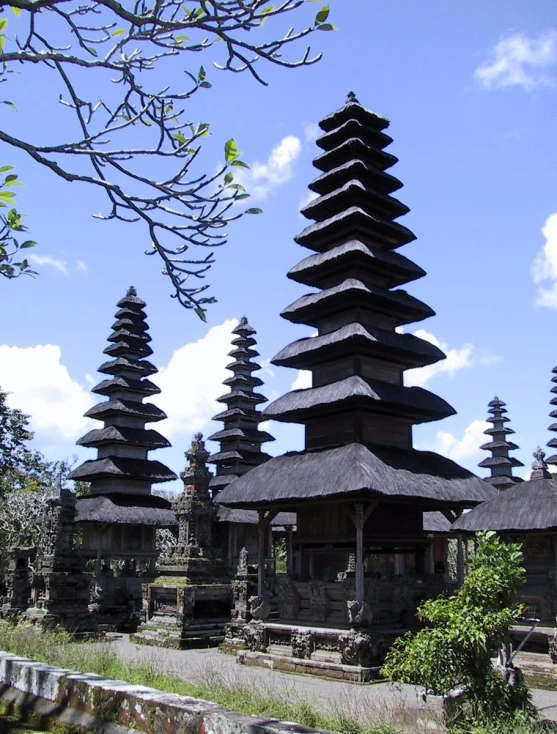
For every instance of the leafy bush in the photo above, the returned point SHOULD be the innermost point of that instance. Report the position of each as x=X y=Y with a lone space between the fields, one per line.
x=464 y=631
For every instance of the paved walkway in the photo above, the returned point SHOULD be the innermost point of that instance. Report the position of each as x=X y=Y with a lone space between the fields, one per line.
x=370 y=704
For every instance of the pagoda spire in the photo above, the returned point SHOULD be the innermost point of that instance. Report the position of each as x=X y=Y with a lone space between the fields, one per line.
x=552 y=443
x=240 y=439
x=499 y=463
x=123 y=443
x=540 y=469
x=358 y=358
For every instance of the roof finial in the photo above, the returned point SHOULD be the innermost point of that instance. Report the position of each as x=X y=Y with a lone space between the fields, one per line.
x=351 y=97
x=131 y=291
x=539 y=467
x=243 y=321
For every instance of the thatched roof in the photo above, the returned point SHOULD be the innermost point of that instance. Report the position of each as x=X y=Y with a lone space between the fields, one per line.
x=123 y=467
x=353 y=193
x=355 y=168
x=353 y=129
x=401 y=307
x=436 y=523
x=124 y=435
x=354 y=148
x=124 y=509
x=405 y=349
x=250 y=517
x=117 y=406
x=527 y=507
x=353 y=109
x=357 y=471
x=415 y=402
x=354 y=220
x=356 y=257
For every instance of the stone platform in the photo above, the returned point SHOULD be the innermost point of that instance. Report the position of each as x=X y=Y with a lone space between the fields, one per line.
x=332 y=671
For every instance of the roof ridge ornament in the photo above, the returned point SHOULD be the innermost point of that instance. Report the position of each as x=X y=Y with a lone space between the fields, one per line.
x=351 y=98
x=539 y=466
x=131 y=291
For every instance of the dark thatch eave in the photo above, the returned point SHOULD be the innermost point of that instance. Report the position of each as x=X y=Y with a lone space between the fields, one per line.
x=149 y=439
x=244 y=414
x=354 y=193
x=241 y=396
x=503 y=481
x=243 y=381
x=353 y=129
x=115 y=366
x=355 y=257
x=125 y=348
x=118 y=509
x=492 y=445
x=367 y=174
x=249 y=517
x=148 y=411
x=354 y=223
x=144 y=470
x=131 y=335
x=528 y=507
x=436 y=523
x=242 y=456
x=404 y=349
x=134 y=303
x=500 y=461
x=243 y=365
x=354 y=148
x=415 y=403
x=495 y=431
x=351 y=293
x=354 y=110
x=246 y=434
x=357 y=471
x=120 y=383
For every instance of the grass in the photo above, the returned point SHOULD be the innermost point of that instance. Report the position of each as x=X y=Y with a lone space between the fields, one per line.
x=58 y=649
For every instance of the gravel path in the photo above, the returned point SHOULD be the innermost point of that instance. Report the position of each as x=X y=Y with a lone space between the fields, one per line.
x=371 y=704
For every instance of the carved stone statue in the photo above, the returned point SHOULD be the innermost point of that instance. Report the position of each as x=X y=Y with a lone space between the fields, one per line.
x=301 y=644
x=260 y=607
x=359 y=613
x=254 y=636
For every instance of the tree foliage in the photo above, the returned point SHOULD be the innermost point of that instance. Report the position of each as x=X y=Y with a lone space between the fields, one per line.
x=464 y=630
x=11 y=266
x=121 y=72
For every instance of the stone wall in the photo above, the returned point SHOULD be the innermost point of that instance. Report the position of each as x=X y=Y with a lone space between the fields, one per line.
x=88 y=702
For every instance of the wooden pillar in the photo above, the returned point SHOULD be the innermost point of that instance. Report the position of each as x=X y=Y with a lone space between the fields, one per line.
x=429 y=560
x=262 y=525
x=459 y=560
x=289 y=564
x=359 y=514
x=399 y=564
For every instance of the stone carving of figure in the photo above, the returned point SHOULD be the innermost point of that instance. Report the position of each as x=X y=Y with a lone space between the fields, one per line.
x=259 y=607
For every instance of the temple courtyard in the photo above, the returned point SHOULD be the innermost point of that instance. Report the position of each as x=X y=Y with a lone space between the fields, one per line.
x=373 y=703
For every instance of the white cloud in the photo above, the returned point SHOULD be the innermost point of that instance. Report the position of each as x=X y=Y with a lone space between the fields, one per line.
x=457 y=359
x=520 y=60
x=81 y=266
x=306 y=199
x=60 y=266
x=544 y=266
x=456 y=448
x=312 y=131
x=192 y=382
x=262 y=178
x=302 y=380
x=41 y=386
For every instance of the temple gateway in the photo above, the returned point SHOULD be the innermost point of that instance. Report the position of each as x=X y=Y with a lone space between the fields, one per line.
x=313 y=561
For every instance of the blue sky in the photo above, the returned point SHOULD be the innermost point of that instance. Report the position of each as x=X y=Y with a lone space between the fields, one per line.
x=471 y=92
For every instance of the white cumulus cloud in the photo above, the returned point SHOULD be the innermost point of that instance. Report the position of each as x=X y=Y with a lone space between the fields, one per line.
x=544 y=266
x=457 y=359
x=192 y=381
x=303 y=380
x=61 y=266
x=41 y=386
x=262 y=178
x=458 y=448
x=521 y=60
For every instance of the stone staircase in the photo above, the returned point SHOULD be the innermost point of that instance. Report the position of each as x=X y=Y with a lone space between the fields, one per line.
x=198 y=634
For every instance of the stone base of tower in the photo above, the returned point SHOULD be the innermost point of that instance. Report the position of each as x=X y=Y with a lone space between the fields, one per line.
x=181 y=615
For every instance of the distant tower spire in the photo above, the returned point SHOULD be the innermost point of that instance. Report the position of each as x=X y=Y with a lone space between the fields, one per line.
x=123 y=443
x=240 y=440
x=539 y=466
x=553 y=427
x=499 y=463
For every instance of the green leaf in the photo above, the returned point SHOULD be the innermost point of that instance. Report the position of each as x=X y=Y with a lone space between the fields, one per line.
x=7 y=196
x=201 y=313
x=239 y=187
x=3 y=24
x=92 y=51
x=10 y=104
x=181 y=39
x=119 y=32
x=201 y=76
x=267 y=9
x=28 y=243
x=230 y=151
x=322 y=15
x=228 y=178
x=3 y=169
x=327 y=27
x=254 y=210
x=11 y=177
x=180 y=138
x=206 y=85
x=239 y=164
x=15 y=11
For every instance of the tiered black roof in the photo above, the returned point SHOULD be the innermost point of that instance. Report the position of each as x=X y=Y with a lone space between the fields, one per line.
x=357 y=358
x=241 y=439
x=358 y=408
x=122 y=444
x=499 y=463
x=553 y=427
